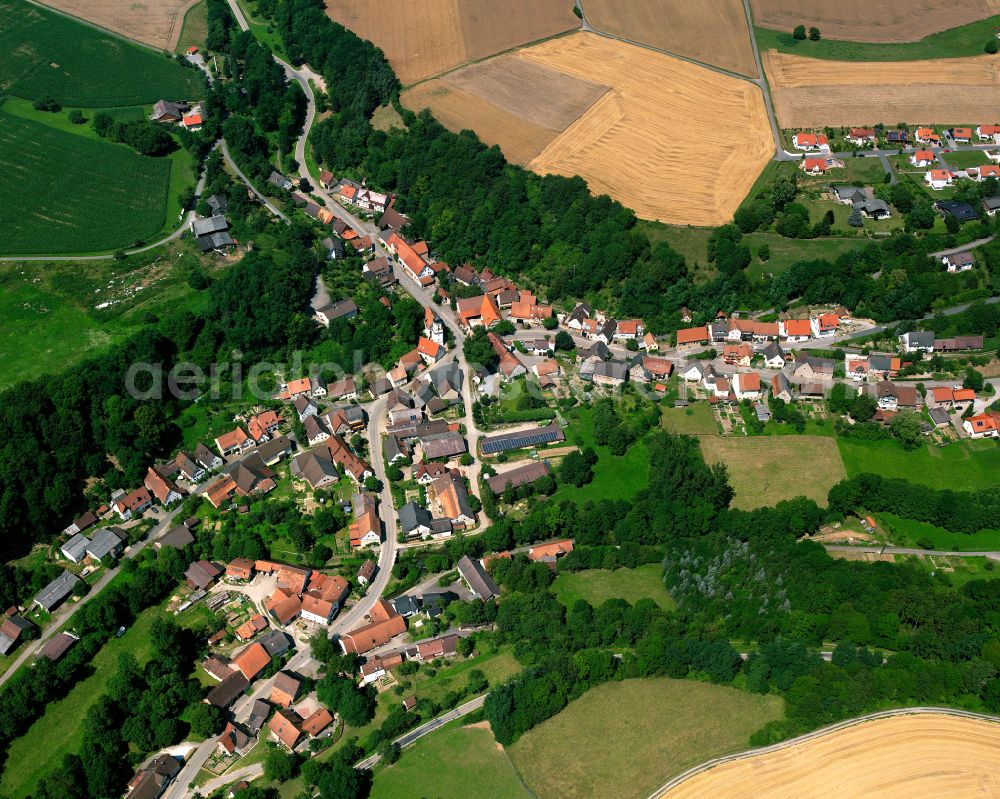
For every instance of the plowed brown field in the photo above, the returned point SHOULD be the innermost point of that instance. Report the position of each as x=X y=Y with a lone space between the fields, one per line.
x=712 y=31
x=423 y=38
x=867 y=21
x=154 y=22
x=671 y=140
x=812 y=92
x=926 y=756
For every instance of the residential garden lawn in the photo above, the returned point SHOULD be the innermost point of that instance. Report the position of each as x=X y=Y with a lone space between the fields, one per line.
x=959 y=466
x=454 y=762
x=60 y=730
x=51 y=55
x=967 y=40
x=40 y=301
x=909 y=533
x=614 y=477
x=195 y=27
x=622 y=740
x=764 y=470
x=695 y=420
x=598 y=585
x=867 y=171
x=953 y=569
x=965 y=158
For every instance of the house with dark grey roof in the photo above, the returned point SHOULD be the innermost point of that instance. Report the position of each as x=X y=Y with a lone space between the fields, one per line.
x=55 y=592
x=218 y=242
x=279 y=181
x=443 y=445
x=334 y=248
x=209 y=225
x=226 y=692
x=992 y=205
x=12 y=631
x=57 y=645
x=917 y=341
x=610 y=373
x=177 y=538
x=345 y=309
x=522 y=475
x=406 y=606
x=477 y=579
x=218 y=204
x=275 y=642
x=598 y=350
x=316 y=468
x=414 y=520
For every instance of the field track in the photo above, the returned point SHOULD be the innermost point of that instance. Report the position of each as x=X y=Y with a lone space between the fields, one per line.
x=866 y=21
x=916 y=753
x=154 y=22
x=423 y=38
x=811 y=92
x=711 y=31
x=673 y=141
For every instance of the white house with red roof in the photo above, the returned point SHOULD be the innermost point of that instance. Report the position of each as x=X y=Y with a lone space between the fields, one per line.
x=746 y=385
x=809 y=141
x=983 y=425
x=430 y=351
x=939 y=179
x=922 y=158
x=824 y=325
x=988 y=133
x=795 y=329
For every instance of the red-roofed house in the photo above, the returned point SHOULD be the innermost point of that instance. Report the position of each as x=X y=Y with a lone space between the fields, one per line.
x=746 y=385
x=692 y=335
x=482 y=310
x=961 y=135
x=988 y=132
x=922 y=158
x=133 y=503
x=284 y=725
x=928 y=136
x=808 y=141
x=430 y=351
x=192 y=121
x=825 y=324
x=234 y=442
x=939 y=179
x=814 y=166
x=982 y=426
x=161 y=487
x=252 y=661
x=796 y=329
x=861 y=136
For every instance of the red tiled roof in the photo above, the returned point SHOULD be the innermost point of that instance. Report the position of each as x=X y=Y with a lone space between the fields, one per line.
x=252 y=661
x=692 y=335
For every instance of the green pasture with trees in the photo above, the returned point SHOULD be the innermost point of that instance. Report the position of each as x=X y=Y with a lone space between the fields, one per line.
x=967 y=40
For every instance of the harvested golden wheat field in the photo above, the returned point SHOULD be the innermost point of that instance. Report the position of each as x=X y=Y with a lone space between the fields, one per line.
x=423 y=38
x=712 y=31
x=154 y=22
x=509 y=101
x=673 y=141
x=866 y=21
x=926 y=756
x=812 y=92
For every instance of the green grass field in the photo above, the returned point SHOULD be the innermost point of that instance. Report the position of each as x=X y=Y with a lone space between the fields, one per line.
x=614 y=477
x=967 y=40
x=40 y=301
x=910 y=533
x=960 y=466
x=62 y=193
x=622 y=740
x=695 y=420
x=455 y=762
x=60 y=730
x=767 y=469
x=598 y=585
x=966 y=158
x=50 y=55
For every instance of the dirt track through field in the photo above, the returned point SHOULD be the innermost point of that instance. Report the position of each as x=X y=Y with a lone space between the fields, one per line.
x=423 y=38
x=926 y=756
x=673 y=141
x=154 y=22
x=811 y=92
x=867 y=21
x=712 y=31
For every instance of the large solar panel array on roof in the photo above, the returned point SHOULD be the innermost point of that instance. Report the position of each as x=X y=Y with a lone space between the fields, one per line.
x=521 y=439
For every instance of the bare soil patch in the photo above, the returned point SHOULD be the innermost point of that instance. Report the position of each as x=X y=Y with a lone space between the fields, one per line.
x=673 y=141
x=712 y=31
x=810 y=92
x=916 y=757
x=865 y=21
x=153 y=22
x=533 y=92
x=423 y=38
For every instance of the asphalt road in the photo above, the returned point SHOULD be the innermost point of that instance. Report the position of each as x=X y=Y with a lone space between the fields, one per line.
x=991 y=554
